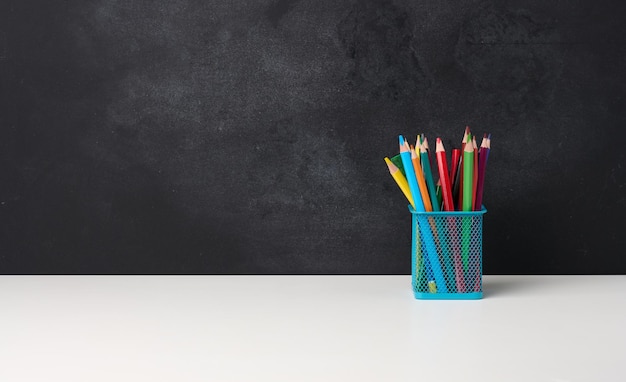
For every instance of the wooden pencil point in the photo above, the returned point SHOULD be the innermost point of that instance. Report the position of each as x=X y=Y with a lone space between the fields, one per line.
x=439 y=145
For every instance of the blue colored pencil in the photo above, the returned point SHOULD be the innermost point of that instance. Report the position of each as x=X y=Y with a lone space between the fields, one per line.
x=427 y=234
x=405 y=155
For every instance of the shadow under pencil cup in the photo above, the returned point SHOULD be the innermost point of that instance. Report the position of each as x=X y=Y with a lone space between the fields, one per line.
x=446 y=255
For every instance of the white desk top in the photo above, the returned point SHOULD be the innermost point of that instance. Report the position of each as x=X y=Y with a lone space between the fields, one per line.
x=309 y=328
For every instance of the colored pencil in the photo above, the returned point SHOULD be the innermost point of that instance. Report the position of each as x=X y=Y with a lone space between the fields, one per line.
x=483 y=154
x=431 y=261
x=446 y=190
x=456 y=178
x=468 y=169
x=485 y=147
x=397 y=160
x=461 y=178
x=425 y=230
x=429 y=178
x=452 y=256
x=439 y=195
x=468 y=175
x=410 y=174
x=421 y=182
x=400 y=180
x=475 y=173
x=430 y=157
x=465 y=135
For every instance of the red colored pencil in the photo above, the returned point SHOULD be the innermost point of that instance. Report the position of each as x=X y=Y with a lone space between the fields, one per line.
x=454 y=164
x=446 y=189
x=467 y=132
x=460 y=171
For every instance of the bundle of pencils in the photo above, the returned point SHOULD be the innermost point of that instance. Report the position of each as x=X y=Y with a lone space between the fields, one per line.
x=458 y=186
x=448 y=260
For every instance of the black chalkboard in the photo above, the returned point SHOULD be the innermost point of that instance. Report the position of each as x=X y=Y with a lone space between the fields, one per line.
x=247 y=137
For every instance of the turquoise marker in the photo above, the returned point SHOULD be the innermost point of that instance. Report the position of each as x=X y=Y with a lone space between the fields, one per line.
x=427 y=234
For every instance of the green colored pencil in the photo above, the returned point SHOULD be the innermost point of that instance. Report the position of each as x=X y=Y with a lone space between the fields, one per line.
x=468 y=174
x=468 y=183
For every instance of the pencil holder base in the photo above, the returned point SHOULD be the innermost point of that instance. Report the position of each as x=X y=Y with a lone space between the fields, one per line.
x=448 y=296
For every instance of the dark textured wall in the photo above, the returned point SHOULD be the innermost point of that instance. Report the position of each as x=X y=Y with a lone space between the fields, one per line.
x=248 y=136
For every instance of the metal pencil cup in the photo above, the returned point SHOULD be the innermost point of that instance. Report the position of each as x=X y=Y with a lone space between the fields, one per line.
x=447 y=255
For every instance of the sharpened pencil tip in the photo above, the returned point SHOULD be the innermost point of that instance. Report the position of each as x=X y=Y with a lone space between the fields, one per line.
x=392 y=167
x=439 y=145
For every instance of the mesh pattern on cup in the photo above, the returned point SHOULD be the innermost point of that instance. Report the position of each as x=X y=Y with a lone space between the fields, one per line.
x=456 y=239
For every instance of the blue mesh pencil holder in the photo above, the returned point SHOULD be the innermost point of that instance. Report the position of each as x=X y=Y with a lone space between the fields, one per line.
x=447 y=255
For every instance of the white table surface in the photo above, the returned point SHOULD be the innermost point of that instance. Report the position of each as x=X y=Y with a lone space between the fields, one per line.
x=309 y=328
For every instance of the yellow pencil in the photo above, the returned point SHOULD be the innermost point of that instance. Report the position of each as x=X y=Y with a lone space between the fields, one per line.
x=401 y=180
